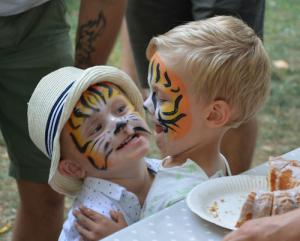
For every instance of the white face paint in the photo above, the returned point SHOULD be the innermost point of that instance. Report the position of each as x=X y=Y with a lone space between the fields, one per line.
x=105 y=127
x=176 y=113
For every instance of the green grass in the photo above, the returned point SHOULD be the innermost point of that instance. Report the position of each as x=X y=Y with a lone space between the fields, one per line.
x=279 y=119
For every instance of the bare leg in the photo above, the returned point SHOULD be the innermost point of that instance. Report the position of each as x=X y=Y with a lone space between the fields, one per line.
x=238 y=146
x=40 y=215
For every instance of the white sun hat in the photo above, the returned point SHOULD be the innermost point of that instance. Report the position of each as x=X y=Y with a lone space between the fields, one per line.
x=52 y=103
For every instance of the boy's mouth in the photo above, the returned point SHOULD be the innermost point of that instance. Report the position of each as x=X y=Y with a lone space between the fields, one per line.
x=127 y=141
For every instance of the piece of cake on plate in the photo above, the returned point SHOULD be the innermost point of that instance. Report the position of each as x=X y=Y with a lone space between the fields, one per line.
x=283 y=194
x=283 y=174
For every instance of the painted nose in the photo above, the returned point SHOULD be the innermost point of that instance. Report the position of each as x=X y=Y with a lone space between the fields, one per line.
x=119 y=126
x=149 y=105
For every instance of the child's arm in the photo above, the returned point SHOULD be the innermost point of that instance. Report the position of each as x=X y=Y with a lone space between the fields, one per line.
x=93 y=226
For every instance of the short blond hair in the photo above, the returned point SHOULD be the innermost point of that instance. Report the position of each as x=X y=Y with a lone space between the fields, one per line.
x=222 y=59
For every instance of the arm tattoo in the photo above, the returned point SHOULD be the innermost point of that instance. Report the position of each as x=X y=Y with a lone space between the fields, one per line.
x=87 y=35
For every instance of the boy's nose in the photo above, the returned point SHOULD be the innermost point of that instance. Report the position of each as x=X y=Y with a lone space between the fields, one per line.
x=119 y=126
x=149 y=105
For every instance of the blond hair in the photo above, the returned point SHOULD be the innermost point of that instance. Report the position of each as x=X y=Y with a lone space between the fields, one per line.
x=222 y=59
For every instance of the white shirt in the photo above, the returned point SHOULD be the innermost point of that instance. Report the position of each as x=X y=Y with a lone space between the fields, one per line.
x=12 y=7
x=102 y=196
x=171 y=185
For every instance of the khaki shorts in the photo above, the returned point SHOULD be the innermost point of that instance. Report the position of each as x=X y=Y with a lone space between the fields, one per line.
x=32 y=44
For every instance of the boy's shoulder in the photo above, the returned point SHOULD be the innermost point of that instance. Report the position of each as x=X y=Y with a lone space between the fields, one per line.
x=153 y=164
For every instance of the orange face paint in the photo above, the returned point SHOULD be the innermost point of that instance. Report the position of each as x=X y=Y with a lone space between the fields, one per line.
x=89 y=126
x=168 y=99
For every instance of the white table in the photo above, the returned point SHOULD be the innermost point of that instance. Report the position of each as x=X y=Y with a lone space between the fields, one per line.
x=178 y=223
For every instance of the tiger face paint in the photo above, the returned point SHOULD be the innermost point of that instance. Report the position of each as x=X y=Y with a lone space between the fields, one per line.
x=168 y=100
x=104 y=125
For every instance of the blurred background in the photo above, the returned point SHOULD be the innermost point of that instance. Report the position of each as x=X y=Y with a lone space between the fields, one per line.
x=279 y=120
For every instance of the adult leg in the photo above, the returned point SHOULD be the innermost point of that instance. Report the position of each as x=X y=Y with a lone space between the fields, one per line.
x=34 y=43
x=40 y=215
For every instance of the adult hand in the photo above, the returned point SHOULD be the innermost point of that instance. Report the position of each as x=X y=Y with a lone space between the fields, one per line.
x=280 y=228
x=93 y=226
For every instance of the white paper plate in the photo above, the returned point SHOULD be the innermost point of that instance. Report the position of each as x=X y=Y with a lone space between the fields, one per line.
x=220 y=200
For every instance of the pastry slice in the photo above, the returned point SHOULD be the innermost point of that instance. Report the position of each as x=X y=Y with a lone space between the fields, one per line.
x=285 y=201
x=283 y=174
x=257 y=205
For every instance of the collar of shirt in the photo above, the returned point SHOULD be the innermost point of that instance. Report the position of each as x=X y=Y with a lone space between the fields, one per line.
x=192 y=167
x=153 y=164
x=111 y=189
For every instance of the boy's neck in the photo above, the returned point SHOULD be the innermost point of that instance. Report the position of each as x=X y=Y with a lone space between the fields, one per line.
x=139 y=181
x=207 y=156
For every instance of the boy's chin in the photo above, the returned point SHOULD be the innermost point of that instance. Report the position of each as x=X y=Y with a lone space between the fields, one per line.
x=161 y=143
x=167 y=149
x=133 y=155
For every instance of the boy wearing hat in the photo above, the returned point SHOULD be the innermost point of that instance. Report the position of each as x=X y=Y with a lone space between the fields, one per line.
x=90 y=124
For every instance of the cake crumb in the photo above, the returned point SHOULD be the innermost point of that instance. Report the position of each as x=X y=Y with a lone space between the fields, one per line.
x=213 y=209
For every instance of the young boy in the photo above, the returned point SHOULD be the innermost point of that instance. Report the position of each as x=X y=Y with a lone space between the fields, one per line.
x=90 y=124
x=205 y=77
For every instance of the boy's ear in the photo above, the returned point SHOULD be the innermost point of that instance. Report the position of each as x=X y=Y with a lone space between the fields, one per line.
x=218 y=114
x=70 y=168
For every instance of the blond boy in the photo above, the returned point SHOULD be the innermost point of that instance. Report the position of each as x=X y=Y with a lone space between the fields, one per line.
x=90 y=124
x=205 y=77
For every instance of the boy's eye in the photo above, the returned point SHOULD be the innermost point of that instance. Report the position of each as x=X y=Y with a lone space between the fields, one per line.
x=121 y=109
x=161 y=101
x=97 y=128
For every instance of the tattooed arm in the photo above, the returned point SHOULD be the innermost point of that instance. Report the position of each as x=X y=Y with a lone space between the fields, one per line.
x=98 y=26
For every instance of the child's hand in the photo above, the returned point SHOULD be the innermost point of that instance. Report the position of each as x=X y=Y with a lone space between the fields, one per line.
x=93 y=226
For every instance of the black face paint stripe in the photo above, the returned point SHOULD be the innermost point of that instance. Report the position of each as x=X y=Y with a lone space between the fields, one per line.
x=139 y=128
x=108 y=87
x=119 y=126
x=173 y=121
x=175 y=90
x=82 y=149
x=176 y=106
x=106 y=146
x=92 y=161
x=99 y=142
x=79 y=114
x=157 y=73
x=106 y=158
x=154 y=101
x=165 y=126
x=151 y=71
x=72 y=124
x=86 y=104
x=168 y=81
x=98 y=93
